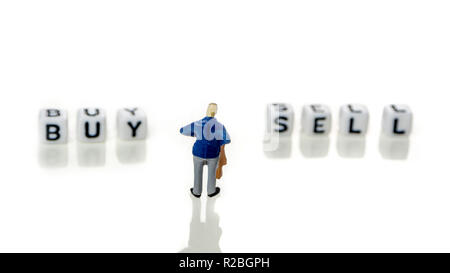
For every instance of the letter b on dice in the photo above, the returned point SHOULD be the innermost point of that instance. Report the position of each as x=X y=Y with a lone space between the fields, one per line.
x=280 y=119
x=131 y=124
x=53 y=126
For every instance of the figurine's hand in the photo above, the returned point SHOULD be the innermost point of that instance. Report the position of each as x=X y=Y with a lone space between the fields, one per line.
x=219 y=172
x=223 y=160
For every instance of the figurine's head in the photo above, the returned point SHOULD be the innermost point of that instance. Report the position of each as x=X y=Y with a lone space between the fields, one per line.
x=212 y=110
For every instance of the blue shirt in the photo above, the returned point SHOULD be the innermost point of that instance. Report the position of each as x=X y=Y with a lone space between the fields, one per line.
x=210 y=134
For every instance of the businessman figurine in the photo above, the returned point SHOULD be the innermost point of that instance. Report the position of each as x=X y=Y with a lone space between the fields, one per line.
x=209 y=149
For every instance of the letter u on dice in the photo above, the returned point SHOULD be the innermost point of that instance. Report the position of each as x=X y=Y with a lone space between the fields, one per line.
x=91 y=125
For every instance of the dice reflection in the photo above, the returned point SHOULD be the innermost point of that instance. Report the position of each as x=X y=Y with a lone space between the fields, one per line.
x=91 y=154
x=351 y=146
x=314 y=146
x=131 y=152
x=53 y=155
x=394 y=148
x=275 y=146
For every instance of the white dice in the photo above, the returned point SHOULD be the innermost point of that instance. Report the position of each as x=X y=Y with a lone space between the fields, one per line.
x=280 y=119
x=397 y=120
x=53 y=126
x=353 y=120
x=91 y=125
x=131 y=124
x=316 y=119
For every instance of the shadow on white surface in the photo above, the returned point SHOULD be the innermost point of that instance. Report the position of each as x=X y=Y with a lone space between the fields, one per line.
x=314 y=146
x=204 y=237
x=351 y=146
x=131 y=152
x=91 y=154
x=277 y=147
x=53 y=155
x=394 y=148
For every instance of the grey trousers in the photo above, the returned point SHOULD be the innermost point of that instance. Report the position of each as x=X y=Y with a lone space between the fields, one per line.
x=198 y=174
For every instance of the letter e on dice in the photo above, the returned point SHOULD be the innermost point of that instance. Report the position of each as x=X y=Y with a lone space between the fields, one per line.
x=316 y=119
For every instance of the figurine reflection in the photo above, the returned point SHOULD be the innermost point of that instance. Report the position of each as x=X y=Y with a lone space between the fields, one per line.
x=204 y=237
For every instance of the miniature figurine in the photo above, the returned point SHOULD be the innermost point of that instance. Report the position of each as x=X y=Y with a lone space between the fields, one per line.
x=209 y=149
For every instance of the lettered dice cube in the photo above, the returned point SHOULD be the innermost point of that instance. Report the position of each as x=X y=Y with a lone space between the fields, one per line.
x=353 y=119
x=397 y=120
x=53 y=126
x=91 y=125
x=131 y=124
x=316 y=119
x=280 y=119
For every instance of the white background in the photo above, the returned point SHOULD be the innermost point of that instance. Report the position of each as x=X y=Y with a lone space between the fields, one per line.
x=174 y=57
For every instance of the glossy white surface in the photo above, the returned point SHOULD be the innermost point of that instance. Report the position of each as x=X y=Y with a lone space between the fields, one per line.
x=174 y=57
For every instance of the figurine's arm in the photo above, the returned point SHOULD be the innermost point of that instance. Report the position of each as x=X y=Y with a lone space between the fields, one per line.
x=222 y=155
x=222 y=162
x=188 y=130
